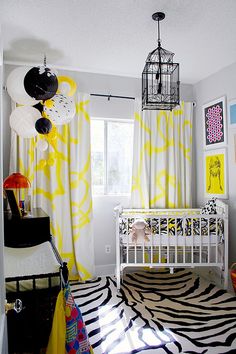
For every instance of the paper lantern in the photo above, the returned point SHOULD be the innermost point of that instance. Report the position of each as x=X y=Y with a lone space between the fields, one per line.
x=42 y=163
x=42 y=145
x=43 y=126
x=16 y=89
x=60 y=109
x=41 y=83
x=23 y=119
x=66 y=85
x=51 y=161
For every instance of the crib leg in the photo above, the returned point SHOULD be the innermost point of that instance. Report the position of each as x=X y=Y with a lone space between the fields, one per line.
x=118 y=279
x=226 y=279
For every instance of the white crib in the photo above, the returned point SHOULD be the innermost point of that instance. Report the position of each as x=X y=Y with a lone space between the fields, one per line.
x=179 y=238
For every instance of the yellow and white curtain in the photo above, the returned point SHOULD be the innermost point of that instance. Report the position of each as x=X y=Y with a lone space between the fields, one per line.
x=162 y=161
x=61 y=185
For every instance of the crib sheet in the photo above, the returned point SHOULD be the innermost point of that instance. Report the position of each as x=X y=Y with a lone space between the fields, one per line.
x=36 y=260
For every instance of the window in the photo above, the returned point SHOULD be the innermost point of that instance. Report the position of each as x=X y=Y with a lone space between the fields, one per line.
x=112 y=153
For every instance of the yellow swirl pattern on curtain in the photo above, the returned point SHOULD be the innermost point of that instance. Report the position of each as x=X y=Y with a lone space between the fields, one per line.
x=162 y=158
x=61 y=186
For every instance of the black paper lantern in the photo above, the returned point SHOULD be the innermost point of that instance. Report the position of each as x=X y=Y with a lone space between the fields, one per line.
x=41 y=83
x=43 y=126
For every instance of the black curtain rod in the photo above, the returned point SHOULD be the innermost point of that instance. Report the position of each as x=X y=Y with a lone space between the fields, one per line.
x=124 y=97
x=112 y=96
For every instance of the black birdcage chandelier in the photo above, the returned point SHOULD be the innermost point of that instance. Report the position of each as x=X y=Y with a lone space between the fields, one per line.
x=160 y=77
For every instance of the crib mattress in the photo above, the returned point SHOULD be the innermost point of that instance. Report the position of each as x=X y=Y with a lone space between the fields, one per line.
x=36 y=260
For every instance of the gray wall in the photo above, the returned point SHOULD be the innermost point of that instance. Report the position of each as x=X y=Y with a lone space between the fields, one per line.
x=104 y=222
x=100 y=107
x=223 y=83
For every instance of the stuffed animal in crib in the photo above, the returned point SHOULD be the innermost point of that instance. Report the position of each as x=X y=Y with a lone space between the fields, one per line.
x=140 y=230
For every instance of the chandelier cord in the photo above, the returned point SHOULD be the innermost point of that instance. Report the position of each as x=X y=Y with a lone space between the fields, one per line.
x=158 y=31
x=158 y=74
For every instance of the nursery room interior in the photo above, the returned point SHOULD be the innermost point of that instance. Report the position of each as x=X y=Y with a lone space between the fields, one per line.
x=118 y=169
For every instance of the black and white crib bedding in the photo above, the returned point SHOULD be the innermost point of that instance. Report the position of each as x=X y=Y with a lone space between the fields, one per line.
x=177 y=226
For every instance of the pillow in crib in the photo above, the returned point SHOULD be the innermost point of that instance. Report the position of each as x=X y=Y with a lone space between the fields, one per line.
x=209 y=207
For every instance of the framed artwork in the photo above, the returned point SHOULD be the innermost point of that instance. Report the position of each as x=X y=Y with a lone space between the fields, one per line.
x=232 y=112
x=235 y=148
x=15 y=210
x=214 y=124
x=215 y=173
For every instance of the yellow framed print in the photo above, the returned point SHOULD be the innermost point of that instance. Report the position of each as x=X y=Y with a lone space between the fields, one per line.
x=215 y=173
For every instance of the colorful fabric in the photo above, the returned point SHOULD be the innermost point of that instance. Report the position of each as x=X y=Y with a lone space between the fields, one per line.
x=57 y=339
x=77 y=341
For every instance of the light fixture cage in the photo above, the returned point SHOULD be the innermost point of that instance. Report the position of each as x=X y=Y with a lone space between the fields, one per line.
x=160 y=78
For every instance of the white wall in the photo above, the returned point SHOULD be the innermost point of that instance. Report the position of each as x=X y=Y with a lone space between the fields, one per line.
x=104 y=222
x=3 y=331
x=217 y=85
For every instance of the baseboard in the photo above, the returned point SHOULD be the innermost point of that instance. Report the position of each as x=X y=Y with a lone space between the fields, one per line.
x=213 y=274
x=107 y=269
x=3 y=335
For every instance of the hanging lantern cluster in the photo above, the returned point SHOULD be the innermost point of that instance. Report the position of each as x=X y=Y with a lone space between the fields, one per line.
x=160 y=77
x=44 y=100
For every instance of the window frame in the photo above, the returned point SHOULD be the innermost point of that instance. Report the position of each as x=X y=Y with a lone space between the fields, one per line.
x=105 y=172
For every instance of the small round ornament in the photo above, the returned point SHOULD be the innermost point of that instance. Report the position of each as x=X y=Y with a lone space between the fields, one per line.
x=43 y=126
x=42 y=145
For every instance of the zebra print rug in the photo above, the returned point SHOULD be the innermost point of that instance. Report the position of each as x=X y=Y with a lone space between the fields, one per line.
x=156 y=312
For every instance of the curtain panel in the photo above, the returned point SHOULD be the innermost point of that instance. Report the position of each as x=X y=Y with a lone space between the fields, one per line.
x=61 y=185
x=162 y=160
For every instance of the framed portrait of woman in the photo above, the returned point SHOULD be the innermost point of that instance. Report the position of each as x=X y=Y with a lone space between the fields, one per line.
x=215 y=173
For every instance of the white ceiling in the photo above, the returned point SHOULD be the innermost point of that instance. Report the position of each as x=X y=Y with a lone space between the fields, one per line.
x=115 y=36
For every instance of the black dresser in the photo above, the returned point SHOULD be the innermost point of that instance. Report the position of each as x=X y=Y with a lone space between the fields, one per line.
x=29 y=330
x=26 y=231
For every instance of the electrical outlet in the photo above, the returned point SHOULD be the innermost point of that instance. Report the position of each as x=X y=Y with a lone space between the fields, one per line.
x=108 y=248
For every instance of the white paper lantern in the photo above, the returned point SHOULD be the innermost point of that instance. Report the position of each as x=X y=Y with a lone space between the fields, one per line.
x=60 y=109
x=16 y=89
x=42 y=145
x=23 y=119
